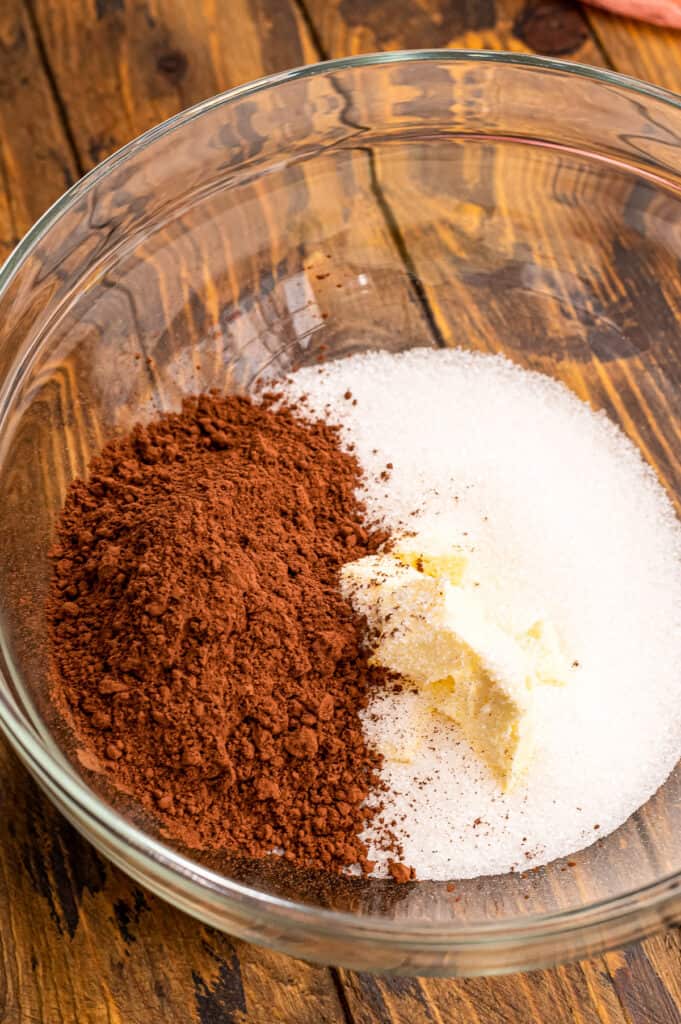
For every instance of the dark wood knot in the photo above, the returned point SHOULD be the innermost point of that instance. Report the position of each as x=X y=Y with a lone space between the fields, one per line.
x=174 y=64
x=553 y=28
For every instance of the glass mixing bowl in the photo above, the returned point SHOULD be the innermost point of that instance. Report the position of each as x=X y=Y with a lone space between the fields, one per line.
x=492 y=201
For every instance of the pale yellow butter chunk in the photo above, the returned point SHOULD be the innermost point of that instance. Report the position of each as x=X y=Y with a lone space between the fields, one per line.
x=498 y=726
x=489 y=696
x=543 y=645
x=438 y=637
x=450 y=564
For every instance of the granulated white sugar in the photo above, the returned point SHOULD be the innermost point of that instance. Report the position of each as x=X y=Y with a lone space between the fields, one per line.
x=561 y=517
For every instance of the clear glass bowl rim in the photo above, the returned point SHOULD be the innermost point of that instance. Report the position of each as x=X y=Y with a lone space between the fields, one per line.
x=190 y=877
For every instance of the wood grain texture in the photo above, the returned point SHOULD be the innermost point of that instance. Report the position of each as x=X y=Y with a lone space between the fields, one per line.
x=144 y=61
x=556 y=28
x=644 y=51
x=79 y=942
x=574 y=993
x=36 y=163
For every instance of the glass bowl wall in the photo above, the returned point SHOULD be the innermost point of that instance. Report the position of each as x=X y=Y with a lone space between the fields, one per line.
x=490 y=201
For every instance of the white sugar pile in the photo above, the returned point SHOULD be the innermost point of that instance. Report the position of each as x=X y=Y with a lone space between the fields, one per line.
x=560 y=514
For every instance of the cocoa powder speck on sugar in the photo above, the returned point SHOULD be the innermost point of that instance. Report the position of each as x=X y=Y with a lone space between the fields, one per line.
x=202 y=655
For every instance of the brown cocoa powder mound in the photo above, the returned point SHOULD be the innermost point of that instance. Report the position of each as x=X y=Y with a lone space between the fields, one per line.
x=201 y=651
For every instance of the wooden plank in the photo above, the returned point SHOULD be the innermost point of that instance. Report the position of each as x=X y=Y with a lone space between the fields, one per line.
x=574 y=994
x=555 y=28
x=646 y=979
x=36 y=164
x=82 y=944
x=636 y=985
x=148 y=60
x=143 y=62
x=635 y=48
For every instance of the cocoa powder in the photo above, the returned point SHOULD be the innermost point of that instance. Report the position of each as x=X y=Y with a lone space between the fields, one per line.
x=201 y=652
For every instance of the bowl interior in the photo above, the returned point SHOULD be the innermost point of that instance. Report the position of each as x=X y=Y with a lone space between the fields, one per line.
x=509 y=208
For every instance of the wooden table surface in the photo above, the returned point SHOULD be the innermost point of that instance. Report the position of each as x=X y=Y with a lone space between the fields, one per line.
x=79 y=942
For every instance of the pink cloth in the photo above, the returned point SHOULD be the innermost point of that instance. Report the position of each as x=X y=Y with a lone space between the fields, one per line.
x=660 y=12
